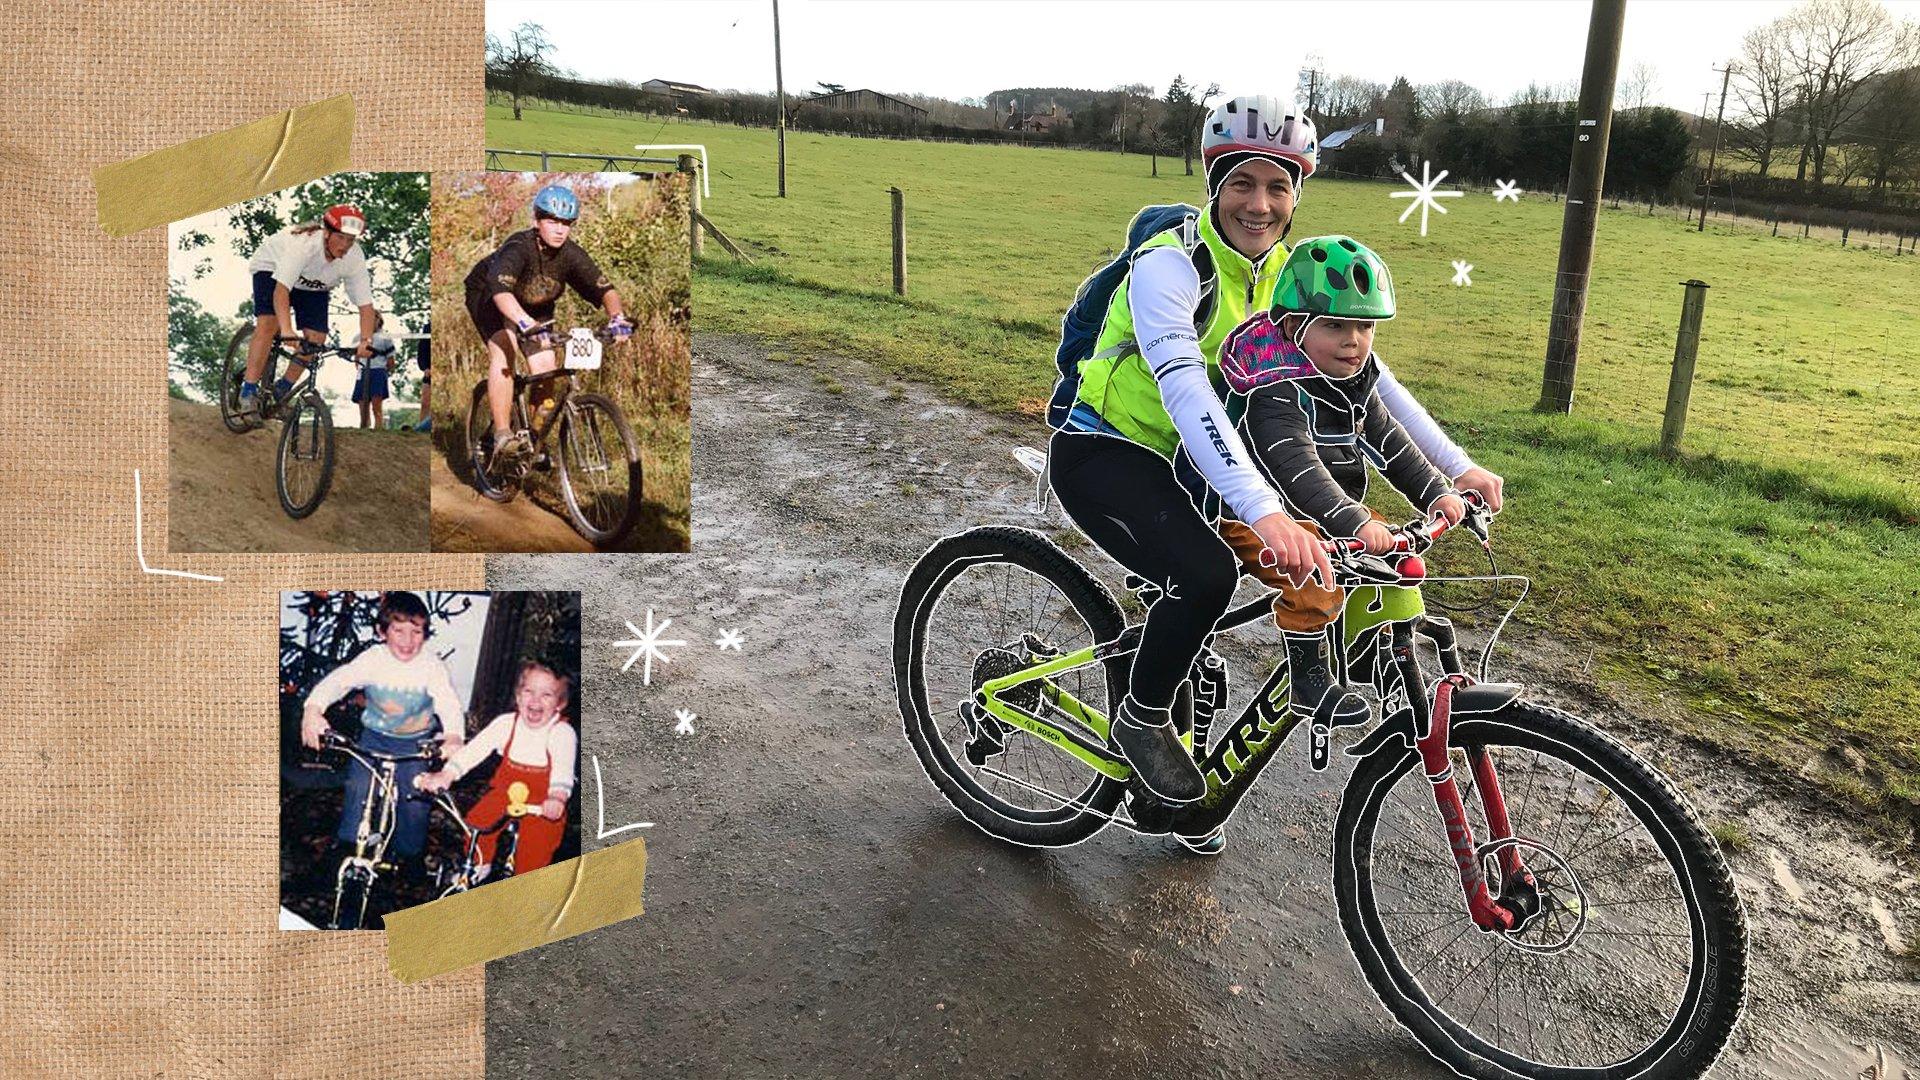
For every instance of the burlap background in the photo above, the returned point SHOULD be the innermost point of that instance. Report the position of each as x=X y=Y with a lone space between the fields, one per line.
x=138 y=752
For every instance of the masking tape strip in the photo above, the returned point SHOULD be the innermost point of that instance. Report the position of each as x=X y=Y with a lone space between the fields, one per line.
x=505 y=917
x=218 y=170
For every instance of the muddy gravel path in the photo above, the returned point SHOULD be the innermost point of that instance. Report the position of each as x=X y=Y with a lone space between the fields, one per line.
x=814 y=908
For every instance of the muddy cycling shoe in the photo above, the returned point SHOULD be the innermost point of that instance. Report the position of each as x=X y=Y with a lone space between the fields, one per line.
x=247 y=411
x=1213 y=843
x=1315 y=693
x=1147 y=739
x=510 y=454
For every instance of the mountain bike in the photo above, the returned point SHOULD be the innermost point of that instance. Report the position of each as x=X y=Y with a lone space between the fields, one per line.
x=598 y=456
x=358 y=872
x=303 y=463
x=467 y=875
x=1524 y=894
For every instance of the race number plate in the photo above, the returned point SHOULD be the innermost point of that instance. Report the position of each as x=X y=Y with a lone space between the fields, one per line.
x=583 y=350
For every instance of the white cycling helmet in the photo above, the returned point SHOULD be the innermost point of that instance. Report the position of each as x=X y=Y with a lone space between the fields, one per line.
x=1261 y=126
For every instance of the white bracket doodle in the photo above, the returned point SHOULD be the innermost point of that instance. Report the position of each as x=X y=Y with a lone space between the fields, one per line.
x=140 y=545
x=600 y=791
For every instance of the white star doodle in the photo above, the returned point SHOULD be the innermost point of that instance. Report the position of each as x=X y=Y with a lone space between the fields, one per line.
x=686 y=718
x=1423 y=194
x=1505 y=189
x=730 y=639
x=647 y=643
x=1461 y=268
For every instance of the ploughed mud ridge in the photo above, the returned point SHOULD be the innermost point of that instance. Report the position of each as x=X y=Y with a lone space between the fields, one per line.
x=221 y=493
x=815 y=909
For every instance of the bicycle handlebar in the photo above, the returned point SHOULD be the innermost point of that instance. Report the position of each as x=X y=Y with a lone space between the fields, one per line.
x=333 y=740
x=546 y=329
x=1403 y=562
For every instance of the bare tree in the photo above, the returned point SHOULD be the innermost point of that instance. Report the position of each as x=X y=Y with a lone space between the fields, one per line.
x=1345 y=100
x=1886 y=142
x=1638 y=88
x=520 y=59
x=1186 y=111
x=1450 y=97
x=1764 y=95
x=1835 y=47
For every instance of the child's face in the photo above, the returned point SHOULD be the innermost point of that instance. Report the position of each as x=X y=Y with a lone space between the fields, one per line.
x=540 y=698
x=404 y=638
x=1338 y=347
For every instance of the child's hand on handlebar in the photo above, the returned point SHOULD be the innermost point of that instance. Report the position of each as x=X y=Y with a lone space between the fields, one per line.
x=313 y=725
x=1294 y=551
x=553 y=809
x=1379 y=539
x=433 y=782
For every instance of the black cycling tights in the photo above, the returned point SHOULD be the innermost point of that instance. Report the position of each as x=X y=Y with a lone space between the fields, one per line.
x=1125 y=498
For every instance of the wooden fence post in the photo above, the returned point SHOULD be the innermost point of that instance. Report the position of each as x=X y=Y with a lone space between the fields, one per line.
x=1846 y=226
x=899 y=242
x=690 y=166
x=1685 y=346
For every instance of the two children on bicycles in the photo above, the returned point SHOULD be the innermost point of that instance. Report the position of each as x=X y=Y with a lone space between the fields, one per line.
x=511 y=293
x=537 y=748
x=409 y=700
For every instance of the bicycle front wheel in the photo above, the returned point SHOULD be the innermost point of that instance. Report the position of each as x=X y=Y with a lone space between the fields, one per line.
x=233 y=371
x=1631 y=959
x=304 y=466
x=599 y=469
x=978 y=606
x=350 y=892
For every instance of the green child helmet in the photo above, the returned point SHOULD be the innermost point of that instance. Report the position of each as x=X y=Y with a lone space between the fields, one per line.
x=1335 y=276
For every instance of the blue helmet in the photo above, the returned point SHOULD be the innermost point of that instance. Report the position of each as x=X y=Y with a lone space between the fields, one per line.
x=555 y=201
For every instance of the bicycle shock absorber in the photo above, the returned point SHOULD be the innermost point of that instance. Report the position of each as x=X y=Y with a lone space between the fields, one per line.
x=1209 y=696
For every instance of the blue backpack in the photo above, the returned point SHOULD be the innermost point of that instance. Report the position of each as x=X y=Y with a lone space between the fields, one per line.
x=1080 y=326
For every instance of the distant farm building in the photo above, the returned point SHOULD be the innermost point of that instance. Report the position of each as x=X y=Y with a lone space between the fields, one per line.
x=866 y=101
x=673 y=89
x=1039 y=121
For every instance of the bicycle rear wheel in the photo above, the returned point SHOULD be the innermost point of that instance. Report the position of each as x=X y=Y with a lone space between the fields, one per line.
x=599 y=468
x=972 y=609
x=303 y=468
x=233 y=371
x=494 y=485
x=1633 y=960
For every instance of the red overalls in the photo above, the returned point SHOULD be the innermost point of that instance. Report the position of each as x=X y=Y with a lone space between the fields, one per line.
x=539 y=838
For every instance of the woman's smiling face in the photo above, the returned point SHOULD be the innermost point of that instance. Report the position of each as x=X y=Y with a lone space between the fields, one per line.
x=1255 y=204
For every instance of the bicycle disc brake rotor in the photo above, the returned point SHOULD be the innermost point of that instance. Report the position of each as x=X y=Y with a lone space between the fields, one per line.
x=1552 y=908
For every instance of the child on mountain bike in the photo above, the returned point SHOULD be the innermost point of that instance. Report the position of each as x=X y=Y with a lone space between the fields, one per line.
x=1314 y=417
x=406 y=687
x=513 y=290
x=294 y=272
x=537 y=747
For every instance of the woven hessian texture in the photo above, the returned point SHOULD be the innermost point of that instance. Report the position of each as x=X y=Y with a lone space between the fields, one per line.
x=139 y=757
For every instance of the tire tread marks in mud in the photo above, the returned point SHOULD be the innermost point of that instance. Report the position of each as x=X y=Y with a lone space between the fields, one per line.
x=1716 y=988
x=943 y=562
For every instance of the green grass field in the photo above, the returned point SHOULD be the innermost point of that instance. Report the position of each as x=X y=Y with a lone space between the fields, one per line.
x=1763 y=579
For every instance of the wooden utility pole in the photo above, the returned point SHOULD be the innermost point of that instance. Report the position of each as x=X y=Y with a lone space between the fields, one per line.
x=1706 y=189
x=780 y=92
x=1582 y=216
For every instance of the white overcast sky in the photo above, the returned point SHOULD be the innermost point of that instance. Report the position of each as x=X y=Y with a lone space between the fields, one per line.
x=969 y=48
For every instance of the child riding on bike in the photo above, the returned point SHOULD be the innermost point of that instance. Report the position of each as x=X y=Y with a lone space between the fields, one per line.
x=1314 y=414
x=511 y=293
x=294 y=272
x=537 y=748
x=1153 y=389
x=406 y=688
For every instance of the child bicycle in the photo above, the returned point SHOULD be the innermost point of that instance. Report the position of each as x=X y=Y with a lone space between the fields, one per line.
x=599 y=459
x=1523 y=893
x=303 y=464
x=354 y=882
x=467 y=875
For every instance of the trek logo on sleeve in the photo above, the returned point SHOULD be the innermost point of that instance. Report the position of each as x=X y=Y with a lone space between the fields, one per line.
x=1219 y=444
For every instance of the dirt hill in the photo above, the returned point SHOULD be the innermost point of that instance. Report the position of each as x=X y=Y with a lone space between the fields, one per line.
x=222 y=495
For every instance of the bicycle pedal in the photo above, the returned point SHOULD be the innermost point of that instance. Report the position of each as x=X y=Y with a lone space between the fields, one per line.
x=1320 y=744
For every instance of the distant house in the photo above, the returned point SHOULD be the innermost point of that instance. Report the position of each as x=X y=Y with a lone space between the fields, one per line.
x=1041 y=122
x=866 y=101
x=673 y=89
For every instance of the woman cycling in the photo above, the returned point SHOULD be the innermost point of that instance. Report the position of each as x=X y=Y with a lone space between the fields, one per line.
x=294 y=272
x=511 y=293
x=1153 y=389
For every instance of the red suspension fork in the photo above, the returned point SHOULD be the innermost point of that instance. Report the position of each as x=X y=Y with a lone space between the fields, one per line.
x=1432 y=745
x=1494 y=805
